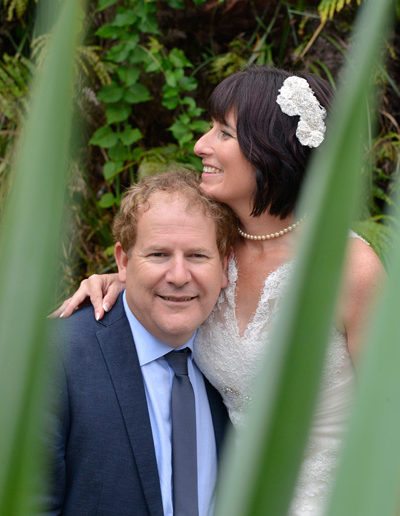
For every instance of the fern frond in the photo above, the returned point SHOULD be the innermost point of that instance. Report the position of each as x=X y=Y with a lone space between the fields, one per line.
x=15 y=73
x=328 y=8
x=87 y=59
x=39 y=49
x=90 y=56
x=16 y=6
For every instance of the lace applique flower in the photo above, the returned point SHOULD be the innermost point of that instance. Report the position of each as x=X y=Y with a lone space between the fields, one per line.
x=296 y=98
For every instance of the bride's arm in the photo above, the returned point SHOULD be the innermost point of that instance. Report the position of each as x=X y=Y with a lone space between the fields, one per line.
x=364 y=275
x=102 y=290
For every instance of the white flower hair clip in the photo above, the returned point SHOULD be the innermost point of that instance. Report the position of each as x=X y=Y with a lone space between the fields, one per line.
x=297 y=98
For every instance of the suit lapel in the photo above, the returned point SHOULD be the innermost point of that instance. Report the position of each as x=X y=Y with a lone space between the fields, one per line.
x=219 y=415
x=120 y=355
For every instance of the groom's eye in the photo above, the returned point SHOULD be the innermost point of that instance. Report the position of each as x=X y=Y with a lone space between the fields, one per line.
x=199 y=256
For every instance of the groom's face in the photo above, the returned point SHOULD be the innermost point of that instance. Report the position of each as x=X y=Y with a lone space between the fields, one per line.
x=174 y=272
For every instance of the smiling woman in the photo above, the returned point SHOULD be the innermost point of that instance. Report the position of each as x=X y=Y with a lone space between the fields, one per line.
x=227 y=174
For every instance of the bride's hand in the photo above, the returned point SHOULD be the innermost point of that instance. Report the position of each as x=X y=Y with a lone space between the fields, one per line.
x=102 y=290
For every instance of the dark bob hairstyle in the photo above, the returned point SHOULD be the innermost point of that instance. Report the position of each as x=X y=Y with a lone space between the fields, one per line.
x=267 y=136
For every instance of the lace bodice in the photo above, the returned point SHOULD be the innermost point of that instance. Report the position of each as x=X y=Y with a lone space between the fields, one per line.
x=230 y=361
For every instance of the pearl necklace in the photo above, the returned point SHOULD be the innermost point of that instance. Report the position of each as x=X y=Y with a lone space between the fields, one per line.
x=270 y=236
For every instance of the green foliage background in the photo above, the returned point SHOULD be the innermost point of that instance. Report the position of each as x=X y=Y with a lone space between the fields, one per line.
x=123 y=82
x=145 y=72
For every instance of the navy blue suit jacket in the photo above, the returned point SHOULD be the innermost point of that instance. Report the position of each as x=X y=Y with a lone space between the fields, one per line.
x=102 y=453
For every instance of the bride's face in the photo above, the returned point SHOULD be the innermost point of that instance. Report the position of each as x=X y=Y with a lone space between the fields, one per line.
x=227 y=175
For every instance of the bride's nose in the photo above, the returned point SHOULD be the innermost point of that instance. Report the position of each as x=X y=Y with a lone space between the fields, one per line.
x=203 y=146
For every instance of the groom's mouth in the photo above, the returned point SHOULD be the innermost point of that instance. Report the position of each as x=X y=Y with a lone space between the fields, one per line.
x=177 y=299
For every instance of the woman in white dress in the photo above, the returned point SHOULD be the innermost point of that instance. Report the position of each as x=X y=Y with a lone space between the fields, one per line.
x=254 y=160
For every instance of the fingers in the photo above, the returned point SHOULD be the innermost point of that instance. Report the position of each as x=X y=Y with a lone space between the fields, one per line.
x=102 y=290
x=90 y=287
x=59 y=310
x=95 y=286
x=72 y=304
x=112 y=293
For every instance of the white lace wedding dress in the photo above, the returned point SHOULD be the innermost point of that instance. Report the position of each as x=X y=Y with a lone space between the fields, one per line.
x=230 y=362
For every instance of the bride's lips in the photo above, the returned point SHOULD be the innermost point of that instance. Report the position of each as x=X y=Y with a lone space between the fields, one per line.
x=210 y=170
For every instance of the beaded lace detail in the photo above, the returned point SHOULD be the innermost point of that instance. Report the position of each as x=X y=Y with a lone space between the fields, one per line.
x=230 y=361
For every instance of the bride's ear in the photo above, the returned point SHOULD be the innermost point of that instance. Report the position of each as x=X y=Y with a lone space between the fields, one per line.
x=225 y=280
x=122 y=261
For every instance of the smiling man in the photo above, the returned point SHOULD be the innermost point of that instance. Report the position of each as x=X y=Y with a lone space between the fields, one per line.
x=134 y=433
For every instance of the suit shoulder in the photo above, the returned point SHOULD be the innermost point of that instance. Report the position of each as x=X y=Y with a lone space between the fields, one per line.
x=78 y=333
x=75 y=334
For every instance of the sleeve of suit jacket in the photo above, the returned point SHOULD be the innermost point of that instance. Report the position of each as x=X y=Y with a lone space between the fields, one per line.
x=55 y=436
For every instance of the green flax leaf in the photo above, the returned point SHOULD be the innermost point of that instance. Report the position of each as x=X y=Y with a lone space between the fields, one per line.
x=259 y=476
x=29 y=241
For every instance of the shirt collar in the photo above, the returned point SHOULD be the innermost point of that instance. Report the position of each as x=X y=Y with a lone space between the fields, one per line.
x=148 y=347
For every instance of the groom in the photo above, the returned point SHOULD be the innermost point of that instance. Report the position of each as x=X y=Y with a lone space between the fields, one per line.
x=116 y=438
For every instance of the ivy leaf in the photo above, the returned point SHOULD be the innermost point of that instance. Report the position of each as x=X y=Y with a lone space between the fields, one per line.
x=136 y=154
x=189 y=102
x=200 y=126
x=117 y=113
x=178 y=58
x=120 y=152
x=185 y=119
x=138 y=55
x=111 y=93
x=109 y=32
x=181 y=132
x=125 y=18
x=170 y=101
x=153 y=66
x=103 y=4
x=172 y=77
x=104 y=137
x=121 y=51
x=107 y=200
x=188 y=83
x=128 y=75
x=137 y=93
x=170 y=97
x=111 y=169
x=129 y=136
x=147 y=12
x=150 y=26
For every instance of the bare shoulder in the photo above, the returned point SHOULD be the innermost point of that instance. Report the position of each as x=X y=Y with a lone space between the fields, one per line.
x=364 y=268
x=364 y=275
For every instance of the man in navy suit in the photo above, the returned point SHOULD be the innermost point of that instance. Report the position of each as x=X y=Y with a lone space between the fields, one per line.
x=110 y=437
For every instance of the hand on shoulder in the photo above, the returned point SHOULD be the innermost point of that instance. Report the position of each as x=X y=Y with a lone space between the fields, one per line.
x=102 y=290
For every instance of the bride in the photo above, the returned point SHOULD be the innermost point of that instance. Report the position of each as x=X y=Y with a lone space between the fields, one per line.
x=254 y=160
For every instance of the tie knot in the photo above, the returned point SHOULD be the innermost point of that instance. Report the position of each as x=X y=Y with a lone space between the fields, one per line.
x=178 y=361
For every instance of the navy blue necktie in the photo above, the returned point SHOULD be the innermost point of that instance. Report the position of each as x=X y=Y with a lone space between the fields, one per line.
x=184 y=443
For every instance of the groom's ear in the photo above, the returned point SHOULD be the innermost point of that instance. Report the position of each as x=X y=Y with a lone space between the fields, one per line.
x=121 y=258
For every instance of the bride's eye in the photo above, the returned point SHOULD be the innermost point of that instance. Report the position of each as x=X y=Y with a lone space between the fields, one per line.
x=225 y=135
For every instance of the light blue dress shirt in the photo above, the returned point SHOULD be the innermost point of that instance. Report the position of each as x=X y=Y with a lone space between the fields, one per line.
x=158 y=376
